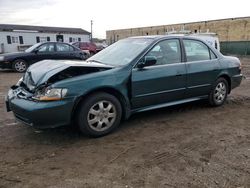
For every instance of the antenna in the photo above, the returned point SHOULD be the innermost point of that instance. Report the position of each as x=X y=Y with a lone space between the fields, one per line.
x=91 y=23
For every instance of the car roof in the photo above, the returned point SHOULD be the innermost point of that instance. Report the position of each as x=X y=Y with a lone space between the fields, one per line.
x=53 y=42
x=159 y=37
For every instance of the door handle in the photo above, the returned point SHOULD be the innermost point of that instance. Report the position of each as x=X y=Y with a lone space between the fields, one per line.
x=179 y=75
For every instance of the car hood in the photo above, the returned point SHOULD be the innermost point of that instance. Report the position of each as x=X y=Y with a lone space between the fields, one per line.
x=41 y=72
x=14 y=54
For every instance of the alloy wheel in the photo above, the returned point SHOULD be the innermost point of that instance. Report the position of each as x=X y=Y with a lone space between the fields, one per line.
x=220 y=92
x=102 y=115
x=20 y=66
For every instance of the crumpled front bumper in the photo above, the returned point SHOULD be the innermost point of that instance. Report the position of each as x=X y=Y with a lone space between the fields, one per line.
x=5 y=65
x=40 y=114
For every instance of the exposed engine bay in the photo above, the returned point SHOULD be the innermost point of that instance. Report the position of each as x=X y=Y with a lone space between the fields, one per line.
x=28 y=84
x=73 y=72
x=36 y=82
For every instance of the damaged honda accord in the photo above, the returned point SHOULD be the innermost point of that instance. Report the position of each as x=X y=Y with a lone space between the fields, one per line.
x=132 y=75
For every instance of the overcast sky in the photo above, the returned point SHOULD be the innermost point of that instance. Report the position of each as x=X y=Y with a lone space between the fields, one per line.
x=117 y=14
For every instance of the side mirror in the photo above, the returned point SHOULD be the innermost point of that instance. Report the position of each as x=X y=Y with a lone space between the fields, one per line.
x=148 y=61
x=35 y=51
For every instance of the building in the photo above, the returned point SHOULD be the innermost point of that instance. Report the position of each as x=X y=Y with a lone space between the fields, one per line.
x=233 y=33
x=15 y=38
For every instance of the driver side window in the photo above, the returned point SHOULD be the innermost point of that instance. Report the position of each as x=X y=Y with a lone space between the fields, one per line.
x=166 y=52
x=46 y=48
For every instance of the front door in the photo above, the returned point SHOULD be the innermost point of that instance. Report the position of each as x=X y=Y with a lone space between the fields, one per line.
x=45 y=51
x=163 y=82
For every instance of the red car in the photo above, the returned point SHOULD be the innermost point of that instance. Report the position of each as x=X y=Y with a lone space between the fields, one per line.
x=91 y=47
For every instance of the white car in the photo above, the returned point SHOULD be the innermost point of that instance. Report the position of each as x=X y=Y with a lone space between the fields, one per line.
x=211 y=38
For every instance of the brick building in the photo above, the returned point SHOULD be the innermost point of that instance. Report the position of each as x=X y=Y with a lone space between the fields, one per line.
x=233 y=33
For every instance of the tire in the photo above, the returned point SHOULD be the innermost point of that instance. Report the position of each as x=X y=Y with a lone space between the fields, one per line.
x=218 y=94
x=20 y=65
x=99 y=114
x=82 y=57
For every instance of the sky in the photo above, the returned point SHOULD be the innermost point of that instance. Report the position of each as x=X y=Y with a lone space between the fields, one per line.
x=117 y=14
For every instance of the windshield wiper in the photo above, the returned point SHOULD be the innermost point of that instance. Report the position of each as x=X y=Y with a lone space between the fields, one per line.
x=92 y=60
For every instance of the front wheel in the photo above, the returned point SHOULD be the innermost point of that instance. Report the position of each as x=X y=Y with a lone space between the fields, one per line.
x=99 y=114
x=218 y=94
x=20 y=65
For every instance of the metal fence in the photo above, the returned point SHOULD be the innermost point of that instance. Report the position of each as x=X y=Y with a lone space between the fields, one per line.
x=235 y=47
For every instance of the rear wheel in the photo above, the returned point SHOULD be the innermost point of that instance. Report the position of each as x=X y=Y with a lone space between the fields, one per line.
x=218 y=94
x=99 y=114
x=20 y=65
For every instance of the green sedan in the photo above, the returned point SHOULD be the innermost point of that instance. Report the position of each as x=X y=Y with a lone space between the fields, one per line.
x=132 y=75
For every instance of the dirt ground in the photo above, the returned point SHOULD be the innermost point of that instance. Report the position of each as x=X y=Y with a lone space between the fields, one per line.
x=191 y=145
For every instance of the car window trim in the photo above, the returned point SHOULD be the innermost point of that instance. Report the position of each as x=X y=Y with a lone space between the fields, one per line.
x=160 y=66
x=153 y=45
x=190 y=62
x=216 y=57
x=46 y=52
x=209 y=49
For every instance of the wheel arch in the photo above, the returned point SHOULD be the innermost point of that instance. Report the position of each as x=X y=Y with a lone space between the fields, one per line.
x=19 y=58
x=122 y=99
x=228 y=79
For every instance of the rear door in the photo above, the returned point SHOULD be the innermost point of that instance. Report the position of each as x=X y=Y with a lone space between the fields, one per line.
x=202 y=67
x=163 y=82
x=64 y=51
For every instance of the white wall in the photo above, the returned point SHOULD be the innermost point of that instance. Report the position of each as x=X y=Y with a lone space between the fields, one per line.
x=29 y=38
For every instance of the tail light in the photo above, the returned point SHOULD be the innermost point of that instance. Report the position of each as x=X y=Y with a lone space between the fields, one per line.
x=240 y=67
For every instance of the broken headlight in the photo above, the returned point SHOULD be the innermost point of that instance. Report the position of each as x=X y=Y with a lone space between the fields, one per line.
x=50 y=94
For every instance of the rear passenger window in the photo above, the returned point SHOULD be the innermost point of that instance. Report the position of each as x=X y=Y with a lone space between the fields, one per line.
x=62 y=47
x=49 y=47
x=196 y=50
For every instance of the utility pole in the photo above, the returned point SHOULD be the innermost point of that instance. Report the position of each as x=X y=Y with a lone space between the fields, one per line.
x=91 y=23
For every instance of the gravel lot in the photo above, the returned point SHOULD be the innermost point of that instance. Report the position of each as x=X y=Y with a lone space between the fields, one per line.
x=191 y=145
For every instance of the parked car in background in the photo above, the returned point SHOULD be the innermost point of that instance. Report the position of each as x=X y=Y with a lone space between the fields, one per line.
x=20 y=61
x=130 y=76
x=210 y=38
x=89 y=46
x=100 y=46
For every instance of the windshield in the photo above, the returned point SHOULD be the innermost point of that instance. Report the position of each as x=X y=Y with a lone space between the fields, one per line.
x=122 y=52
x=30 y=49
